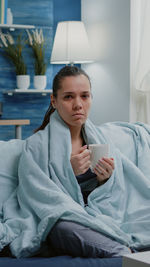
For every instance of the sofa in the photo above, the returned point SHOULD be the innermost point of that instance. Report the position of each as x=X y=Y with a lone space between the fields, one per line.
x=60 y=261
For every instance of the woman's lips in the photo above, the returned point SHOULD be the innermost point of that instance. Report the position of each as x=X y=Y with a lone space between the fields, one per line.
x=78 y=115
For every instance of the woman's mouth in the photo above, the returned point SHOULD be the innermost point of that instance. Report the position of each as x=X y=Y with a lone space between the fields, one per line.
x=78 y=115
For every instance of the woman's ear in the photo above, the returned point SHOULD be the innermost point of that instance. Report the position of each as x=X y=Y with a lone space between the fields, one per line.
x=53 y=101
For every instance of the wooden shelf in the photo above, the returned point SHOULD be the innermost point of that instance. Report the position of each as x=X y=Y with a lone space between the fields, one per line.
x=23 y=26
x=16 y=26
x=14 y=122
x=27 y=91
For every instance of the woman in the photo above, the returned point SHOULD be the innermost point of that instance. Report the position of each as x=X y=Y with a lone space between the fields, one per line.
x=72 y=99
x=57 y=200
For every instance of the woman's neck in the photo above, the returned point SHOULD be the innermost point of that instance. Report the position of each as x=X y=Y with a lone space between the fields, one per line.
x=75 y=133
x=76 y=139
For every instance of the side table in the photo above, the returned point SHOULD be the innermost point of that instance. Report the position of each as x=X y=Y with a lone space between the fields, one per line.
x=17 y=123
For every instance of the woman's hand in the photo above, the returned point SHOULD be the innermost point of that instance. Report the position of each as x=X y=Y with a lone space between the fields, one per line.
x=81 y=161
x=104 y=169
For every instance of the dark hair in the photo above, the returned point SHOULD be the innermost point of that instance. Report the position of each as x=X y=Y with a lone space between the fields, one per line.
x=64 y=72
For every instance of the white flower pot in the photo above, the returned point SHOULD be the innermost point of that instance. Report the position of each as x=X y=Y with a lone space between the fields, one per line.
x=40 y=82
x=23 y=81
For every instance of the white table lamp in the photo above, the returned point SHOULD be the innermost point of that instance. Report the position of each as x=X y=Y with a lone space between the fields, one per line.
x=71 y=44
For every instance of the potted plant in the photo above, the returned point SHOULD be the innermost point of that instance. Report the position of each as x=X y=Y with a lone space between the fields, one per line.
x=36 y=42
x=13 y=51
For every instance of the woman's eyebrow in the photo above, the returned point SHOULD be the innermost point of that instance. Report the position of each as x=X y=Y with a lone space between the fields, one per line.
x=72 y=93
x=66 y=93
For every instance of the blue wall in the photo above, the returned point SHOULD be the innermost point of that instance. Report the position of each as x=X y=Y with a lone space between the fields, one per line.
x=45 y=13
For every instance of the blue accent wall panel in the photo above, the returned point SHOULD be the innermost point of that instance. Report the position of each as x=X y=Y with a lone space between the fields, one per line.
x=45 y=14
x=34 y=12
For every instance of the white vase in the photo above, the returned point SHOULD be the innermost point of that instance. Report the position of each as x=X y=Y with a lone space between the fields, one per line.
x=40 y=82
x=23 y=81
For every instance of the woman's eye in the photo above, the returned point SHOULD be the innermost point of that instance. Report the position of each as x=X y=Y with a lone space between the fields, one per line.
x=68 y=96
x=85 y=96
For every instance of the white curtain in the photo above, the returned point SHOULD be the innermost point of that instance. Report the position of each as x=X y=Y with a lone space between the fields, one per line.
x=140 y=61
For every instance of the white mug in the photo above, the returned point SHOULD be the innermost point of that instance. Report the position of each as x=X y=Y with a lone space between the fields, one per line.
x=97 y=152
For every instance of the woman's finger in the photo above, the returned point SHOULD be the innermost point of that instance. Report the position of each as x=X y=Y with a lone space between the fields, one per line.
x=101 y=171
x=106 y=166
x=110 y=161
x=85 y=153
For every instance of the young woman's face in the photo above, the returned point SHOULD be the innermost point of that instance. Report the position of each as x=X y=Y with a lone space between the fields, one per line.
x=73 y=100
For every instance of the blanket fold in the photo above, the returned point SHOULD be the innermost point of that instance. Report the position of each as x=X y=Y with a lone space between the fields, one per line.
x=45 y=188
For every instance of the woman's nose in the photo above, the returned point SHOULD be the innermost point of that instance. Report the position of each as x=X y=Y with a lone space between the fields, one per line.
x=77 y=104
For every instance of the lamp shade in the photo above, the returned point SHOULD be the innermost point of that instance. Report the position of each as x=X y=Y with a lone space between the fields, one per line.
x=71 y=44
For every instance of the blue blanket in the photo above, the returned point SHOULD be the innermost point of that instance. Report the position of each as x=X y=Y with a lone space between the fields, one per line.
x=38 y=186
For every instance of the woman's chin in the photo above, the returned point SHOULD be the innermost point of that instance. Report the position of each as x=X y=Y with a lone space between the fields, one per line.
x=78 y=122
